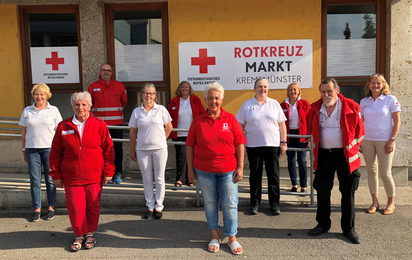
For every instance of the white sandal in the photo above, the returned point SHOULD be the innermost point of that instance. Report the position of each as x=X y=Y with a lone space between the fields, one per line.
x=235 y=245
x=215 y=243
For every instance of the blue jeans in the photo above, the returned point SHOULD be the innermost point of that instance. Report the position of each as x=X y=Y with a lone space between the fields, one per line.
x=35 y=158
x=295 y=142
x=219 y=187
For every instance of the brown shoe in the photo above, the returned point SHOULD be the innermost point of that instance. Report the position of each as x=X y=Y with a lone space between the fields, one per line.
x=372 y=210
x=388 y=211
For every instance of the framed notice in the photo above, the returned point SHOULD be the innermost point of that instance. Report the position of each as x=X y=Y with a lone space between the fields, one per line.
x=355 y=57
x=236 y=65
x=139 y=62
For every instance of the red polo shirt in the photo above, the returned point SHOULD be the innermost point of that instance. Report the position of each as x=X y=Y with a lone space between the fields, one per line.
x=214 y=142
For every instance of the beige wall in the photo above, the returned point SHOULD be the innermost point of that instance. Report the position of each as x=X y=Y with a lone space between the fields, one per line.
x=400 y=73
x=11 y=83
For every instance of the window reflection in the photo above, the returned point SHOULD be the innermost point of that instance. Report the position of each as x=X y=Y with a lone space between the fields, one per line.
x=351 y=40
x=138 y=45
x=52 y=29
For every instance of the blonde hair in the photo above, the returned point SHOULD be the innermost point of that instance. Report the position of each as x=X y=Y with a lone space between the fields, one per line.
x=293 y=85
x=41 y=87
x=385 y=89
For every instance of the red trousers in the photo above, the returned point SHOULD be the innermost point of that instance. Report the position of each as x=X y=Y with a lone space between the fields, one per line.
x=83 y=205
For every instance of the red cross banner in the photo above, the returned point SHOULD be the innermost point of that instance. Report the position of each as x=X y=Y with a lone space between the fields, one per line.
x=236 y=65
x=54 y=65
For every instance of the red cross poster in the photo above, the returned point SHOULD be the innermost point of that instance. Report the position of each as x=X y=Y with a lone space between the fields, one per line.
x=236 y=65
x=54 y=65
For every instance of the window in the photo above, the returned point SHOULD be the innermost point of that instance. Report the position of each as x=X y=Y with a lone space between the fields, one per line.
x=137 y=46
x=51 y=52
x=353 y=43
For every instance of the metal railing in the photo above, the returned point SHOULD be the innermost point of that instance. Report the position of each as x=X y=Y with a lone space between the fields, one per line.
x=311 y=193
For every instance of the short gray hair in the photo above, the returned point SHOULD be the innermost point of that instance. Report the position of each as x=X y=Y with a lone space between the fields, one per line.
x=215 y=86
x=81 y=96
x=327 y=80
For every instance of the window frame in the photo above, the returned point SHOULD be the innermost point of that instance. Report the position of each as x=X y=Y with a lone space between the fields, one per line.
x=163 y=85
x=380 y=39
x=24 y=11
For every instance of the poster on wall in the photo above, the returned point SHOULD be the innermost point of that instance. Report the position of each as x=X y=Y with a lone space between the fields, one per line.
x=54 y=65
x=355 y=57
x=236 y=65
x=139 y=62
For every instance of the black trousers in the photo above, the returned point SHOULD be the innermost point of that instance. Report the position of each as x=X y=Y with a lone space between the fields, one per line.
x=118 y=149
x=181 y=162
x=256 y=156
x=329 y=163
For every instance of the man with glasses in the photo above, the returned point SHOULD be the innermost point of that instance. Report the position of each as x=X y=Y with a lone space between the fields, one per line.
x=109 y=97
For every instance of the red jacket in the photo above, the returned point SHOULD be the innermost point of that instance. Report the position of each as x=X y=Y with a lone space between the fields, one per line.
x=81 y=162
x=351 y=124
x=195 y=104
x=108 y=99
x=303 y=110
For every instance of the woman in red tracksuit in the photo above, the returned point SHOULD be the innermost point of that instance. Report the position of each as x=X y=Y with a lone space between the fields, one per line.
x=82 y=161
x=183 y=108
x=296 y=110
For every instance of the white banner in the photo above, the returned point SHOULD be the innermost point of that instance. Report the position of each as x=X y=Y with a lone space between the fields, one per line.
x=236 y=65
x=54 y=64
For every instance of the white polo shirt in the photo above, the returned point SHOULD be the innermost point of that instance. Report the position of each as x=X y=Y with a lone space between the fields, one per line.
x=293 y=114
x=261 y=122
x=40 y=125
x=377 y=116
x=185 y=116
x=150 y=127
x=80 y=125
x=330 y=130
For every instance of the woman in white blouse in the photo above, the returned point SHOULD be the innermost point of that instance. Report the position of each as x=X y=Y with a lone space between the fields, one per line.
x=39 y=122
x=148 y=146
x=381 y=115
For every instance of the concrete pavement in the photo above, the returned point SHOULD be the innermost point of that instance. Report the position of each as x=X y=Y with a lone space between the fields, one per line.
x=183 y=234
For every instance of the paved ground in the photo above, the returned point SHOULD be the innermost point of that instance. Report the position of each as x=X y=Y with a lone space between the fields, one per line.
x=182 y=233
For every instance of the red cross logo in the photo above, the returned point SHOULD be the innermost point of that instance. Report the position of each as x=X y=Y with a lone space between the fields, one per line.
x=203 y=61
x=54 y=60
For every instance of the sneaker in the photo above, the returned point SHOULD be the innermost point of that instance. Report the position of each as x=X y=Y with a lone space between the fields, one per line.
x=50 y=215
x=36 y=216
x=117 y=179
x=111 y=181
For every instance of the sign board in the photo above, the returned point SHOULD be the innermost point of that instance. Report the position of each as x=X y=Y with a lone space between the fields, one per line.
x=53 y=65
x=236 y=65
x=355 y=57
x=139 y=62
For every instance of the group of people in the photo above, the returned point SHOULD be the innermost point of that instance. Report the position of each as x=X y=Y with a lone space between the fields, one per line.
x=82 y=157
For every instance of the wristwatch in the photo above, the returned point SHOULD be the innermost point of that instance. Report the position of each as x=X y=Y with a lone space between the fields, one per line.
x=393 y=138
x=284 y=142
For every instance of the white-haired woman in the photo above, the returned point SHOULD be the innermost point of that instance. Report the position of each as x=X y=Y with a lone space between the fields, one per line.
x=81 y=162
x=39 y=122
x=215 y=156
x=150 y=124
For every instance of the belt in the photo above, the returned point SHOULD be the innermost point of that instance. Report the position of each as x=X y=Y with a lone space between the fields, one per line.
x=332 y=150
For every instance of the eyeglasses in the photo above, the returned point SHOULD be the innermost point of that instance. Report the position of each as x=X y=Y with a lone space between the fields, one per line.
x=149 y=93
x=106 y=70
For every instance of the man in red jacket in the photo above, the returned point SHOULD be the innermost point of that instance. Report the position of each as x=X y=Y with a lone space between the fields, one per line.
x=109 y=97
x=337 y=129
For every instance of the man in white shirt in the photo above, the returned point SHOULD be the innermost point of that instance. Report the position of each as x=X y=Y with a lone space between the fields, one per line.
x=337 y=128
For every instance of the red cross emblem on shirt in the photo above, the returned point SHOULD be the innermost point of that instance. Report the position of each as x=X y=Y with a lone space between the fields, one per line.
x=54 y=60
x=203 y=61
